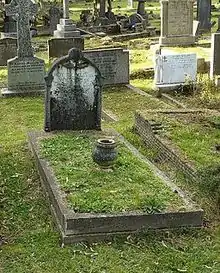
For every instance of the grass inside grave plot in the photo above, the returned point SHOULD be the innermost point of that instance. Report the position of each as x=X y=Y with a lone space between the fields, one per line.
x=196 y=134
x=28 y=241
x=131 y=186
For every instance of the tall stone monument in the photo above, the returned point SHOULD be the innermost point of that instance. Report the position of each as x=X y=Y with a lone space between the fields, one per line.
x=204 y=15
x=66 y=28
x=73 y=96
x=25 y=72
x=177 y=22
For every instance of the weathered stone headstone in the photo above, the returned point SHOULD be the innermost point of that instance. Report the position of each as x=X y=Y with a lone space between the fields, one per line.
x=66 y=28
x=60 y=47
x=54 y=18
x=177 y=22
x=141 y=9
x=113 y=64
x=25 y=72
x=215 y=55
x=73 y=99
x=8 y=50
x=175 y=69
x=204 y=15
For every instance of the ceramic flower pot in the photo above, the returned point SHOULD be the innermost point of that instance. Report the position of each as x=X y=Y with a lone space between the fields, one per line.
x=105 y=152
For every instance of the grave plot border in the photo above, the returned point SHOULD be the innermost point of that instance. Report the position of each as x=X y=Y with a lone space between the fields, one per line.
x=90 y=227
x=143 y=128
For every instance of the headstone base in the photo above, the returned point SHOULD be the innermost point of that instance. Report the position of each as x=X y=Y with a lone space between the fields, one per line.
x=58 y=47
x=166 y=88
x=16 y=93
x=25 y=75
x=66 y=29
x=8 y=35
x=177 y=41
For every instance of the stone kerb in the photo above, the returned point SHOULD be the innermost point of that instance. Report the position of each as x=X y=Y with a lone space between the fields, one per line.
x=165 y=153
x=90 y=227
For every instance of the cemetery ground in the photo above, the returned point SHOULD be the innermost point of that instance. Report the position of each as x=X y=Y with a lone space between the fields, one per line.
x=29 y=241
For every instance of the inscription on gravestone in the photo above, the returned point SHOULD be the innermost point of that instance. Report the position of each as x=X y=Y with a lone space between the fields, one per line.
x=73 y=99
x=112 y=63
x=177 y=22
x=25 y=72
x=175 y=68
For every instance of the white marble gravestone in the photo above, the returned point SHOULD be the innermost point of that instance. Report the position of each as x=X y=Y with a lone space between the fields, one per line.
x=175 y=69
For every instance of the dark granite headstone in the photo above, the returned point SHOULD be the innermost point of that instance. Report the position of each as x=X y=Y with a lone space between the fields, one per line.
x=58 y=47
x=8 y=50
x=73 y=98
x=54 y=18
x=204 y=15
x=215 y=55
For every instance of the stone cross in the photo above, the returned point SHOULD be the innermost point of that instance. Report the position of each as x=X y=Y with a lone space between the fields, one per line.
x=66 y=9
x=24 y=10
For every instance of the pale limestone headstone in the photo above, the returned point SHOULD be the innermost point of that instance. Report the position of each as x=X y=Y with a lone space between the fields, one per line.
x=215 y=55
x=177 y=22
x=73 y=96
x=25 y=72
x=174 y=69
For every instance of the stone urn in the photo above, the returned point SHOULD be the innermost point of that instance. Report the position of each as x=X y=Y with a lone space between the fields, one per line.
x=105 y=153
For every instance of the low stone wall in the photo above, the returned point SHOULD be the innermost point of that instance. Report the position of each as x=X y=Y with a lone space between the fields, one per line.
x=164 y=153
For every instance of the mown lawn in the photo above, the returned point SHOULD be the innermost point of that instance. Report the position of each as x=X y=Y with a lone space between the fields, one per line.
x=29 y=242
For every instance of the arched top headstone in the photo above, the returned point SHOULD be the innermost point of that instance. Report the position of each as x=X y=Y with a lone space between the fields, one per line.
x=73 y=96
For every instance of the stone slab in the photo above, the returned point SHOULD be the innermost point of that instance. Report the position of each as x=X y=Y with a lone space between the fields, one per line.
x=26 y=74
x=58 y=47
x=175 y=68
x=8 y=50
x=113 y=64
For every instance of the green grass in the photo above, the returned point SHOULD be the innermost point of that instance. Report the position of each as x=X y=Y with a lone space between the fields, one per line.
x=32 y=244
x=192 y=133
x=131 y=186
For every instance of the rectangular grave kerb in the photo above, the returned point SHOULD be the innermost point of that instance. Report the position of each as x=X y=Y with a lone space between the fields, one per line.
x=76 y=227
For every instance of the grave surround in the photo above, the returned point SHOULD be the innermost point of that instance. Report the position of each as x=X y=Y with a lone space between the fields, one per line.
x=90 y=227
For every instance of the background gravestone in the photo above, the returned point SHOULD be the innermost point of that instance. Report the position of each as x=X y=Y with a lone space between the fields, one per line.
x=8 y=50
x=25 y=72
x=54 y=18
x=175 y=68
x=215 y=55
x=113 y=64
x=73 y=99
x=60 y=47
x=204 y=15
x=177 y=22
